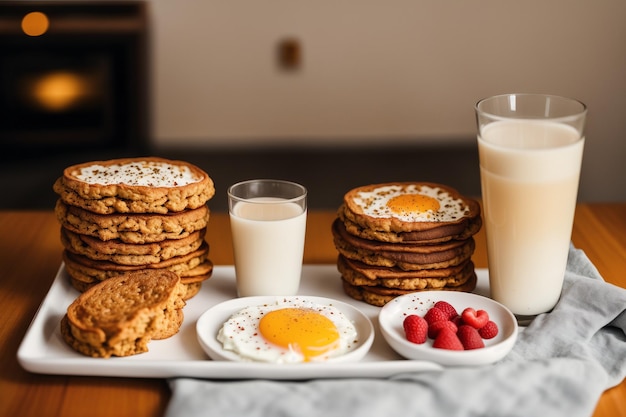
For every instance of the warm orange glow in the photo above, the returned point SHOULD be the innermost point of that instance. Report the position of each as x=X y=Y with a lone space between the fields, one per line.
x=35 y=24
x=58 y=91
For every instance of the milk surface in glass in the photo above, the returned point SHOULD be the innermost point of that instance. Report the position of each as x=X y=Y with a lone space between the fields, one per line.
x=268 y=245
x=529 y=172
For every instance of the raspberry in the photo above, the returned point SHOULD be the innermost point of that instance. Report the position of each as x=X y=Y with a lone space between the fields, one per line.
x=434 y=315
x=446 y=308
x=415 y=329
x=447 y=339
x=476 y=319
x=469 y=337
x=450 y=330
x=489 y=330
x=435 y=328
x=458 y=320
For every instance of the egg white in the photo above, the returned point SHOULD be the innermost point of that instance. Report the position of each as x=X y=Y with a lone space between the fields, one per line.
x=374 y=203
x=240 y=333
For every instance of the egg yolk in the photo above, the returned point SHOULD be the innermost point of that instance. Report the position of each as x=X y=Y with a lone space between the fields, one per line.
x=411 y=203
x=300 y=329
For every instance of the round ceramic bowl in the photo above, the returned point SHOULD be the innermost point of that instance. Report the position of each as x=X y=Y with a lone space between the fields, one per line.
x=391 y=318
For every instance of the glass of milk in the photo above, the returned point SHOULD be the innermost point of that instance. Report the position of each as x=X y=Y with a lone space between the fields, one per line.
x=530 y=149
x=268 y=224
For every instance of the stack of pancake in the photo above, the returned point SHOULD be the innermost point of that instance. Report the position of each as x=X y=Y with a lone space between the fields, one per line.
x=133 y=214
x=398 y=238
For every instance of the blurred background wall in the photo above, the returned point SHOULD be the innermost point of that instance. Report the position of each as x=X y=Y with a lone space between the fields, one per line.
x=396 y=71
x=340 y=93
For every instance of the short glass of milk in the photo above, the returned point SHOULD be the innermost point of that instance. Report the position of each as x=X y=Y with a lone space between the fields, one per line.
x=530 y=150
x=268 y=225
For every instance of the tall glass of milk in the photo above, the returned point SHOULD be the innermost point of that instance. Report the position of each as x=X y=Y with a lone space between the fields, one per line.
x=268 y=225
x=530 y=150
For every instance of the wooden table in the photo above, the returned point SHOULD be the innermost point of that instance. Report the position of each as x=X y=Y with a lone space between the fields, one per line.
x=30 y=254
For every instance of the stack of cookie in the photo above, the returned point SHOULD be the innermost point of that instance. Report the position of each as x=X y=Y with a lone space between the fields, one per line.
x=398 y=238
x=126 y=215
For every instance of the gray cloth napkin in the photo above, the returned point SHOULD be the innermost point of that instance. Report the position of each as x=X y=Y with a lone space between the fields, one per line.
x=559 y=366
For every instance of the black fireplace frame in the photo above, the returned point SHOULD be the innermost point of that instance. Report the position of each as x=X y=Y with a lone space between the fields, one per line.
x=94 y=28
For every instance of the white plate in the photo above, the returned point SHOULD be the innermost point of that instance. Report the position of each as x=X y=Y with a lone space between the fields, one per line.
x=393 y=313
x=43 y=350
x=211 y=321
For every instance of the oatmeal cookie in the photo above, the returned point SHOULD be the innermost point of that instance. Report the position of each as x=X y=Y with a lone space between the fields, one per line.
x=120 y=316
x=192 y=269
x=122 y=253
x=135 y=185
x=131 y=227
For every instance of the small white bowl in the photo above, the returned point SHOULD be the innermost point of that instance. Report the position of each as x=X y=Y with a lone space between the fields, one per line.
x=211 y=321
x=392 y=315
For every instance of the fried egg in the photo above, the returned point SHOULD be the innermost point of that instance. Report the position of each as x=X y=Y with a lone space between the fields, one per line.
x=411 y=203
x=289 y=331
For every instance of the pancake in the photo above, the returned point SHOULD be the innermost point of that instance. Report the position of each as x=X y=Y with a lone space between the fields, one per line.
x=359 y=274
x=132 y=227
x=135 y=185
x=379 y=296
x=128 y=253
x=443 y=233
x=403 y=207
x=340 y=232
x=404 y=256
x=193 y=269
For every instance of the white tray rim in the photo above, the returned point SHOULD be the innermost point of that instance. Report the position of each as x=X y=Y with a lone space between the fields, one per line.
x=43 y=351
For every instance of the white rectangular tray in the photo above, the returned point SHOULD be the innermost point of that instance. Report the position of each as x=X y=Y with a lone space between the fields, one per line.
x=43 y=350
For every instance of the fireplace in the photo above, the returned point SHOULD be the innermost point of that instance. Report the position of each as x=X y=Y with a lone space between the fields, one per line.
x=73 y=77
